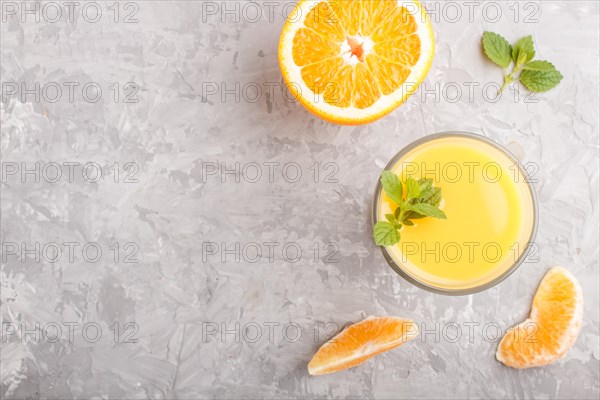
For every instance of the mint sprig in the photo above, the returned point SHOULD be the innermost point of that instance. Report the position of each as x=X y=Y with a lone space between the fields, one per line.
x=420 y=199
x=536 y=75
x=497 y=49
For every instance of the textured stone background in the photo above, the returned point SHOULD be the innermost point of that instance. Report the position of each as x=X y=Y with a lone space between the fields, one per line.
x=193 y=318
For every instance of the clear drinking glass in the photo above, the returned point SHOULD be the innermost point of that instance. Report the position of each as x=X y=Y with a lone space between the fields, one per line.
x=400 y=264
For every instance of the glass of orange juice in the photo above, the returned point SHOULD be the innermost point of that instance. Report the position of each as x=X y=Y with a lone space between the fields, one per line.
x=491 y=210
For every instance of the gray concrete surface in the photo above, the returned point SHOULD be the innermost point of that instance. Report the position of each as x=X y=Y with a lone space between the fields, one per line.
x=136 y=288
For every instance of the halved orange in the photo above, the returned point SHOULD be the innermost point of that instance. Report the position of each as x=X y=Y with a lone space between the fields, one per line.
x=361 y=341
x=552 y=327
x=353 y=61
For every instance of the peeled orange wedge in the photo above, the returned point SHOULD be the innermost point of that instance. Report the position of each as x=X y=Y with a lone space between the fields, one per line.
x=361 y=341
x=551 y=329
x=353 y=61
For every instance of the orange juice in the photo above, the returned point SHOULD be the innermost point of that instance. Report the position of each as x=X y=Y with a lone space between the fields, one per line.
x=490 y=208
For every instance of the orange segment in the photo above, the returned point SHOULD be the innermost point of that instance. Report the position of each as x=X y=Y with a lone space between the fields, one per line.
x=365 y=50
x=378 y=12
x=361 y=341
x=400 y=23
x=324 y=20
x=331 y=79
x=348 y=13
x=366 y=90
x=319 y=76
x=404 y=50
x=339 y=92
x=390 y=76
x=310 y=47
x=552 y=327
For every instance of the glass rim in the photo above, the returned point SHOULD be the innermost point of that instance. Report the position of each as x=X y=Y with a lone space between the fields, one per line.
x=475 y=289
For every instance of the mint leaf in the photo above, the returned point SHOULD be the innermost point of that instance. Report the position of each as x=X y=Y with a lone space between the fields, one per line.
x=523 y=51
x=412 y=215
x=497 y=49
x=413 y=189
x=540 y=81
x=392 y=186
x=436 y=197
x=425 y=187
x=522 y=58
x=421 y=201
x=427 y=210
x=425 y=195
x=537 y=76
x=385 y=234
x=433 y=197
x=539 y=65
